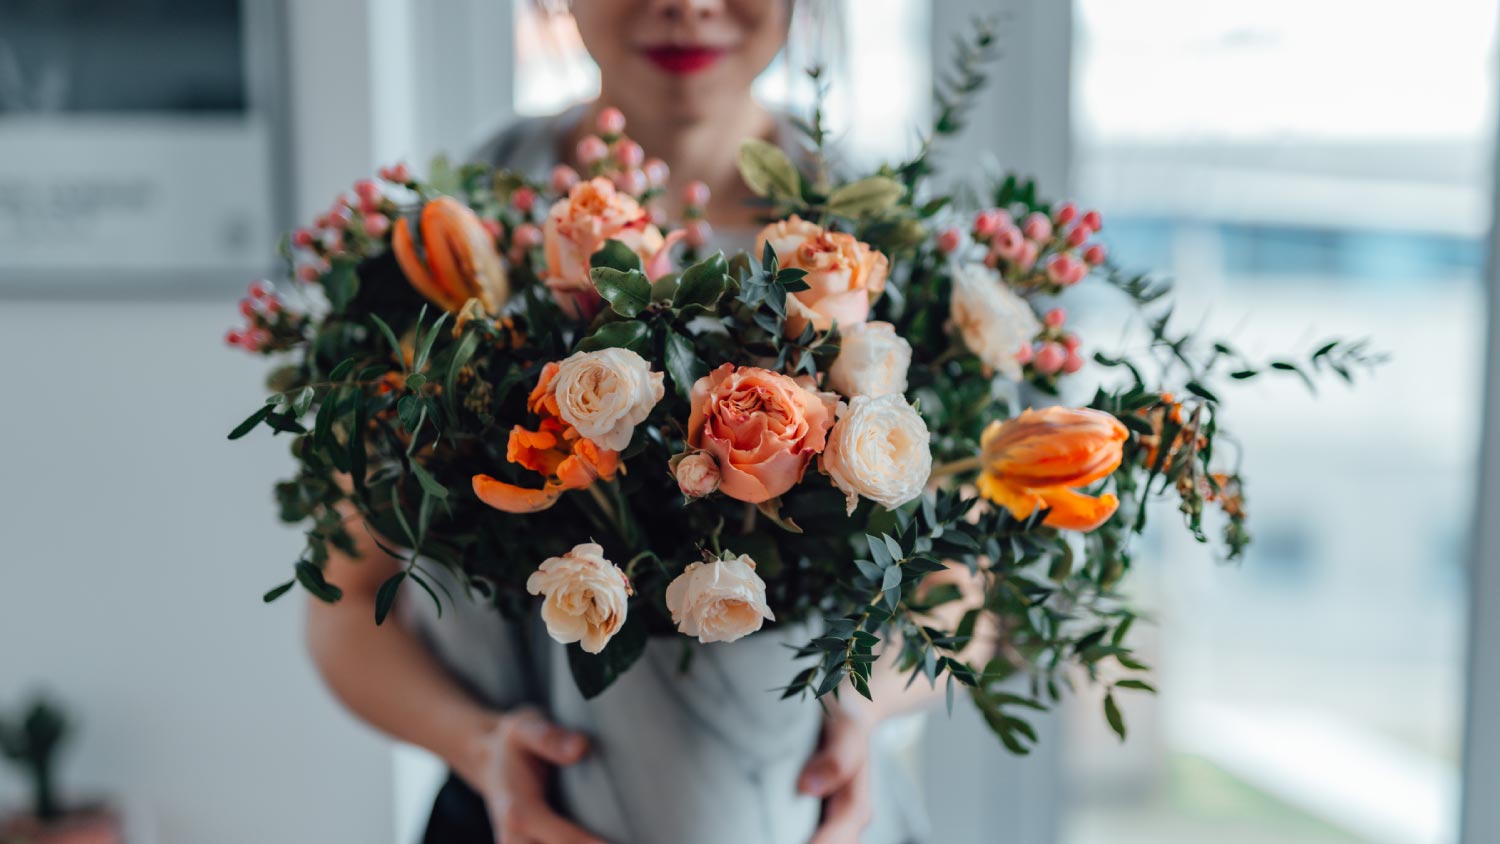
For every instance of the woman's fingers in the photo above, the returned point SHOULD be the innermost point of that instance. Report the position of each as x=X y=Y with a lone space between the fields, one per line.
x=847 y=811
x=543 y=826
x=537 y=735
x=845 y=750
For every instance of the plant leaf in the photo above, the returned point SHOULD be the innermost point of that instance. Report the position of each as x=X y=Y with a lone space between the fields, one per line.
x=628 y=292
x=385 y=598
x=768 y=171
x=866 y=196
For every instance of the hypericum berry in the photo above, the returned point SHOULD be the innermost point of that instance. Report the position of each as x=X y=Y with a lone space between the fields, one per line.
x=1055 y=318
x=563 y=178
x=367 y=191
x=1093 y=221
x=1008 y=243
x=523 y=199
x=1050 y=358
x=1037 y=227
x=1060 y=269
x=302 y=238
x=1078 y=236
x=1025 y=354
x=398 y=173
x=592 y=150
x=1029 y=253
x=1065 y=214
x=628 y=153
x=339 y=218
x=248 y=308
x=656 y=172
x=260 y=289
x=272 y=305
x=1071 y=342
x=949 y=240
x=611 y=121
x=493 y=227
x=376 y=225
x=1072 y=363
x=697 y=233
x=308 y=274
x=234 y=337
x=526 y=236
x=258 y=338
x=631 y=181
x=989 y=222
x=1095 y=255
x=695 y=195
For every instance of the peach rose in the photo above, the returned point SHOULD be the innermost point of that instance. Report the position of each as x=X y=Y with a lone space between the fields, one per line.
x=605 y=394
x=762 y=427
x=880 y=449
x=719 y=601
x=584 y=597
x=578 y=225
x=697 y=474
x=872 y=361
x=844 y=276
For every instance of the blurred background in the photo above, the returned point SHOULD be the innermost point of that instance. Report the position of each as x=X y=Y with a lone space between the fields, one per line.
x=1303 y=168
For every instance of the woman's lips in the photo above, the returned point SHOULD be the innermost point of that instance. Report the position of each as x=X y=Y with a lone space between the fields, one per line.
x=683 y=60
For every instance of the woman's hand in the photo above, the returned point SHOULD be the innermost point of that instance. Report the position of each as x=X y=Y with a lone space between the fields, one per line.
x=509 y=768
x=839 y=773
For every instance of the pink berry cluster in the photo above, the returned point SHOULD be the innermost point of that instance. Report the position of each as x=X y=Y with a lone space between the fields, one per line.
x=1038 y=252
x=696 y=230
x=612 y=154
x=349 y=225
x=1054 y=351
x=269 y=325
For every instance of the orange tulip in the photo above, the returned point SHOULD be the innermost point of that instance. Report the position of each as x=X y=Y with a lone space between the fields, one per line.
x=457 y=261
x=555 y=450
x=1041 y=457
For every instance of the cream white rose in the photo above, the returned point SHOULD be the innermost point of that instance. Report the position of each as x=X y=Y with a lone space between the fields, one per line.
x=720 y=601
x=605 y=394
x=872 y=361
x=584 y=597
x=994 y=321
x=879 y=449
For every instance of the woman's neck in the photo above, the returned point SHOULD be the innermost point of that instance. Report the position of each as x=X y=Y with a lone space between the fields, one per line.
x=702 y=148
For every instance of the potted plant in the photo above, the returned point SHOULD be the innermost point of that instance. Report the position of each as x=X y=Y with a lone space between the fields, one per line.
x=32 y=741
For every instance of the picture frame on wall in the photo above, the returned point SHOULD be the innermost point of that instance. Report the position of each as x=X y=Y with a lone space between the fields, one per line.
x=148 y=164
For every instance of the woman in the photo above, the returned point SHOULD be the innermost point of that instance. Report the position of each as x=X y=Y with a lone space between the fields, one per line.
x=680 y=71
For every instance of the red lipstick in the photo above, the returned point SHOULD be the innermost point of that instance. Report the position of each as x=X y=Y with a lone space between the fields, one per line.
x=681 y=61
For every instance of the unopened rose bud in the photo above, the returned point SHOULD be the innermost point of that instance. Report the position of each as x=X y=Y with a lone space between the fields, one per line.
x=1093 y=221
x=1050 y=358
x=949 y=240
x=695 y=195
x=698 y=475
x=1037 y=228
x=1078 y=236
x=1056 y=317
x=1095 y=255
x=376 y=225
x=526 y=236
x=611 y=121
x=697 y=233
x=628 y=153
x=1073 y=363
x=632 y=182
x=523 y=199
x=656 y=172
x=592 y=150
x=563 y=178
x=1066 y=214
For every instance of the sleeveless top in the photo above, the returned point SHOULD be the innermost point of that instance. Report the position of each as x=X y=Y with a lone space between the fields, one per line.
x=489 y=655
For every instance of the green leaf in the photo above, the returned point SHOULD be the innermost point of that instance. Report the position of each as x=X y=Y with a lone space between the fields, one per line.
x=891 y=586
x=1113 y=716
x=768 y=171
x=341 y=284
x=425 y=349
x=390 y=337
x=461 y=357
x=866 y=196
x=278 y=591
x=1138 y=685
x=430 y=485
x=596 y=672
x=417 y=578
x=622 y=335
x=683 y=363
x=303 y=401
x=615 y=255
x=251 y=421
x=702 y=283
x=385 y=598
x=342 y=370
x=628 y=292
x=311 y=578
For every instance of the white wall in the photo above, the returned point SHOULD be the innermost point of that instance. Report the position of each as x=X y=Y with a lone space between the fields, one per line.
x=137 y=545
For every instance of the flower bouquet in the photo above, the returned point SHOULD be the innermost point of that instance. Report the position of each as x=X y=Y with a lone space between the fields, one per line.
x=551 y=392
